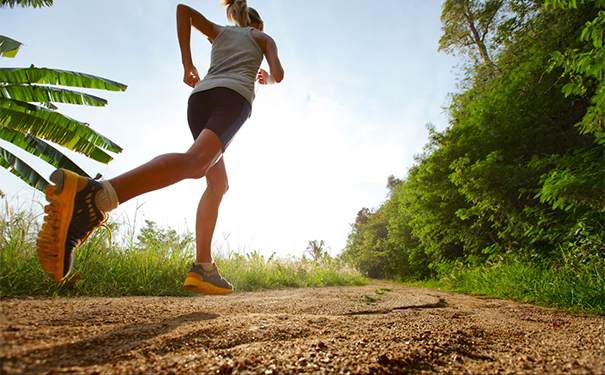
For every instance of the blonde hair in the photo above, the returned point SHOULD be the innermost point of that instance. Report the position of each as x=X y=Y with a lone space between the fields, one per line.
x=239 y=13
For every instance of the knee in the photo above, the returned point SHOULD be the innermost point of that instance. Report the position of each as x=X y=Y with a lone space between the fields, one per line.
x=197 y=173
x=218 y=187
x=197 y=167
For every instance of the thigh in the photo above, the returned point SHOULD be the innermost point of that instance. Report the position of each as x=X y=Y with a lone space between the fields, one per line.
x=205 y=152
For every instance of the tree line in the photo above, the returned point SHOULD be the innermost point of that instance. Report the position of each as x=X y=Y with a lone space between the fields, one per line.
x=518 y=175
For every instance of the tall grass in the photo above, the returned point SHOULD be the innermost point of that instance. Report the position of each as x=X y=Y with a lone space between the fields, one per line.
x=115 y=263
x=574 y=282
x=253 y=271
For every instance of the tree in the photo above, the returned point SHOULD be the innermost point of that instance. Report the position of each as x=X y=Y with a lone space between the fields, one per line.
x=584 y=68
x=317 y=249
x=511 y=178
x=163 y=241
x=467 y=25
x=28 y=115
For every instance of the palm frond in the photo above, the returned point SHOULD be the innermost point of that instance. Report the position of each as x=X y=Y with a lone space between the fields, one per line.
x=41 y=149
x=22 y=170
x=46 y=94
x=50 y=106
x=26 y=3
x=9 y=47
x=57 y=77
x=57 y=128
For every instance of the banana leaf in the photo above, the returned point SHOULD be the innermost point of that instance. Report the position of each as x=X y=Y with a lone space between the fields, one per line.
x=55 y=127
x=41 y=149
x=50 y=106
x=45 y=94
x=57 y=77
x=51 y=131
x=9 y=47
x=22 y=170
x=26 y=3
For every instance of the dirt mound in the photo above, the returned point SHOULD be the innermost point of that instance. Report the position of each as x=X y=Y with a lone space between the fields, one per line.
x=376 y=329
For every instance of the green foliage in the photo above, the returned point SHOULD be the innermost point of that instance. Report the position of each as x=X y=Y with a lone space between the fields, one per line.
x=9 y=47
x=24 y=123
x=367 y=248
x=574 y=282
x=155 y=264
x=317 y=250
x=583 y=69
x=253 y=271
x=26 y=3
x=517 y=172
x=32 y=75
x=160 y=240
x=467 y=25
x=573 y=279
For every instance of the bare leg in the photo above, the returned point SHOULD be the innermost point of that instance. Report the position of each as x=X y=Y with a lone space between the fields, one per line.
x=207 y=211
x=168 y=169
x=205 y=278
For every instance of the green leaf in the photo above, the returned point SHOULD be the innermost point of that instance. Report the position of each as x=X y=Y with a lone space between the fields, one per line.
x=597 y=37
x=22 y=170
x=45 y=94
x=55 y=127
x=9 y=47
x=50 y=106
x=41 y=149
x=26 y=3
x=57 y=77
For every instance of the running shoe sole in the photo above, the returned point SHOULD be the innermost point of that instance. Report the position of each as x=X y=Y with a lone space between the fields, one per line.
x=53 y=235
x=196 y=283
x=72 y=216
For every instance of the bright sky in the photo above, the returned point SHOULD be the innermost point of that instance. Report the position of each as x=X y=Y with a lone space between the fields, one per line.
x=361 y=81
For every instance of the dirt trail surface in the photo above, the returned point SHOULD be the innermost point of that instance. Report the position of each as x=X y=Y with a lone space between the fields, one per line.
x=375 y=329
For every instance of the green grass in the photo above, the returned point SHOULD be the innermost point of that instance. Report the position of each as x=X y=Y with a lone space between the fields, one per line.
x=575 y=283
x=114 y=262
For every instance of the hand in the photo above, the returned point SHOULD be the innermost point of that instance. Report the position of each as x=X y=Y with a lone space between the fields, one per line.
x=191 y=76
x=263 y=77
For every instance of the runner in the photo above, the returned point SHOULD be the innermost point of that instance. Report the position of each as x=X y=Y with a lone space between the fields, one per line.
x=218 y=106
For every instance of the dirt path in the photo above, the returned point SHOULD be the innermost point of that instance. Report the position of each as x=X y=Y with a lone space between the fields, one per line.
x=376 y=329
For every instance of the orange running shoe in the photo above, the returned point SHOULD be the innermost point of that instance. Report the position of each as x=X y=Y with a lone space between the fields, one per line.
x=201 y=281
x=71 y=216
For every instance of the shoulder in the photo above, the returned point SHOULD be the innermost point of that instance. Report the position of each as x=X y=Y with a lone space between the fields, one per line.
x=262 y=39
x=216 y=30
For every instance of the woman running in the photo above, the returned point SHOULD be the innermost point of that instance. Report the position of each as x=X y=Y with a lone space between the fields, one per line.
x=218 y=106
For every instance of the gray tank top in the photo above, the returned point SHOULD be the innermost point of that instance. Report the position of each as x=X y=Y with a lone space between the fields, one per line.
x=234 y=62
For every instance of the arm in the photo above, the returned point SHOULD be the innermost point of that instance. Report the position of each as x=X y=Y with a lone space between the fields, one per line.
x=187 y=17
x=277 y=71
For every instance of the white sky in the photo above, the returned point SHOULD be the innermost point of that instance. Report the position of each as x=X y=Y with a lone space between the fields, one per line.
x=361 y=81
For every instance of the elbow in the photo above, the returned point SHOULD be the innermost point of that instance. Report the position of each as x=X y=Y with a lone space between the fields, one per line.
x=182 y=9
x=279 y=77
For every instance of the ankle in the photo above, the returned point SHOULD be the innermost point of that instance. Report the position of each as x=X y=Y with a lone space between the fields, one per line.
x=206 y=266
x=107 y=199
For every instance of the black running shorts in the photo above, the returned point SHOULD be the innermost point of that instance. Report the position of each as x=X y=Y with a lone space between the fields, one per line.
x=221 y=110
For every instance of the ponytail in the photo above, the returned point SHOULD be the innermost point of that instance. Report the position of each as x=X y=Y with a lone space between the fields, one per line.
x=239 y=13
